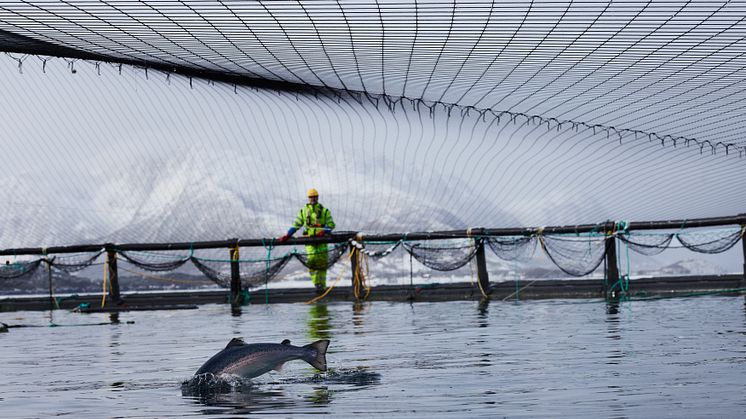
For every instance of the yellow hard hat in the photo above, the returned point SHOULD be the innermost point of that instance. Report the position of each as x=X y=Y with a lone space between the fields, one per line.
x=313 y=192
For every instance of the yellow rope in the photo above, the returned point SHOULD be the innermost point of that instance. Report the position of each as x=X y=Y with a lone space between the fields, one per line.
x=471 y=273
x=319 y=297
x=359 y=276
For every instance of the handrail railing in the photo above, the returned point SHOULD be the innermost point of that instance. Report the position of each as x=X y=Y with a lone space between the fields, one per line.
x=739 y=219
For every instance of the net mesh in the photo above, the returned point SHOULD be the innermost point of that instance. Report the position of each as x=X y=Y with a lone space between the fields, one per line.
x=499 y=109
x=450 y=101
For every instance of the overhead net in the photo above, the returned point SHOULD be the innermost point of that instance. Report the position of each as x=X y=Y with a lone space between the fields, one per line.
x=408 y=116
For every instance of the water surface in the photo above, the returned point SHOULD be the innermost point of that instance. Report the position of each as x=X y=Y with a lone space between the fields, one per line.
x=676 y=357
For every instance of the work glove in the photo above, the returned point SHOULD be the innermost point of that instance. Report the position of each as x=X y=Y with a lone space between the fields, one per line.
x=320 y=233
x=287 y=235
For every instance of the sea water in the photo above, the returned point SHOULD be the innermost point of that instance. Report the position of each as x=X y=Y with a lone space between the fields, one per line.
x=682 y=357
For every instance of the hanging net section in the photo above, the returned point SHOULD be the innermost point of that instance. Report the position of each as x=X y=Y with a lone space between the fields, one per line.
x=575 y=255
x=446 y=255
x=700 y=241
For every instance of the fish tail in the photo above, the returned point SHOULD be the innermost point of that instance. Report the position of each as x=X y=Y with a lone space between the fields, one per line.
x=319 y=360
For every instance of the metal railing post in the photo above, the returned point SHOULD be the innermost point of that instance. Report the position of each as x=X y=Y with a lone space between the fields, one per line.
x=235 y=278
x=113 y=274
x=612 y=268
x=482 y=275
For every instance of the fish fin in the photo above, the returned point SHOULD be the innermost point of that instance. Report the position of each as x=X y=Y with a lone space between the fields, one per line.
x=235 y=342
x=278 y=368
x=285 y=342
x=318 y=361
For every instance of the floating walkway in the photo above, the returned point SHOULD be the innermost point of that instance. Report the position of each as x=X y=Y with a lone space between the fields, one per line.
x=503 y=291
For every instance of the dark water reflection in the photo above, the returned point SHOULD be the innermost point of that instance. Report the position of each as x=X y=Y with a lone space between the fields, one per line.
x=678 y=357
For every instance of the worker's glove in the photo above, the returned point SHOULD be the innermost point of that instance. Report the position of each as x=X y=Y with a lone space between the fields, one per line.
x=320 y=233
x=283 y=238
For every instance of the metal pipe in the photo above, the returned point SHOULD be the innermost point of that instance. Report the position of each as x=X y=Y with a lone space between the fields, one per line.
x=343 y=237
x=482 y=274
x=114 y=294
x=743 y=245
x=235 y=278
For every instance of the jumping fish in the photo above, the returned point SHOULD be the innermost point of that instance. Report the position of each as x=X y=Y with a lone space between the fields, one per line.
x=253 y=360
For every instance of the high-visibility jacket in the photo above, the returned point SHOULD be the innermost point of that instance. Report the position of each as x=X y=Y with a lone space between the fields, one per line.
x=313 y=218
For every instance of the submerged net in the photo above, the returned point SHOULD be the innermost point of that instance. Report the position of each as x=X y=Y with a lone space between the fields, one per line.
x=155 y=262
x=446 y=255
x=710 y=241
x=19 y=269
x=647 y=244
x=70 y=263
x=519 y=248
x=334 y=253
x=575 y=255
x=253 y=273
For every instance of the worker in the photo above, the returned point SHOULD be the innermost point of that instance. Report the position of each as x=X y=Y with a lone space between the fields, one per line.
x=316 y=221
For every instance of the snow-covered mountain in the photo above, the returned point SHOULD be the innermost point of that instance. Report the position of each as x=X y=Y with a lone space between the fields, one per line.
x=193 y=196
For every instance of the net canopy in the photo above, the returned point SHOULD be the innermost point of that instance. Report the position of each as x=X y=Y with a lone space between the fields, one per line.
x=199 y=120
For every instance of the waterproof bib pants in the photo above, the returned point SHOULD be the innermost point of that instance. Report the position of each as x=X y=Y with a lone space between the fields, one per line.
x=314 y=219
x=318 y=261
